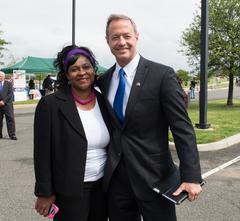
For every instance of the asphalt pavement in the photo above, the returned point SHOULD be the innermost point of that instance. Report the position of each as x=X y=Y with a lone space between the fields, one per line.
x=218 y=202
x=218 y=93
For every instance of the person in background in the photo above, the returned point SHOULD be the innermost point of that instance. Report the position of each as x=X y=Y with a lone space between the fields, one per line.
x=70 y=140
x=10 y=79
x=192 y=88
x=237 y=81
x=6 y=107
x=144 y=100
x=31 y=86
x=48 y=85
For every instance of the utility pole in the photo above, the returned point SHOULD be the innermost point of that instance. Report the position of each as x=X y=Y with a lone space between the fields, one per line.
x=203 y=68
x=73 y=21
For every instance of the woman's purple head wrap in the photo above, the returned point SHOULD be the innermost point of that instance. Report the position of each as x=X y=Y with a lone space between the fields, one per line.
x=77 y=51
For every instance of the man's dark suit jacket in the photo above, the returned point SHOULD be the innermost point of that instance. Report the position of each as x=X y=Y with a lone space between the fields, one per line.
x=155 y=104
x=60 y=145
x=6 y=95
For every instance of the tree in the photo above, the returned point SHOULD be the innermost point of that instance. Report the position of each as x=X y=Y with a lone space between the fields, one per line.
x=224 y=41
x=184 y=76
x=2 y=44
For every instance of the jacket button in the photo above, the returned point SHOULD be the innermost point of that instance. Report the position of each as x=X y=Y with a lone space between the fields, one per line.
x=119 y=154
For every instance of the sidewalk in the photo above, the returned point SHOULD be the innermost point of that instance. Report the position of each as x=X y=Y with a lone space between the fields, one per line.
x=21 y=106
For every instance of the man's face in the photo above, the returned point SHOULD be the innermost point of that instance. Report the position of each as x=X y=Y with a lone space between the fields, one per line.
x=122 y=40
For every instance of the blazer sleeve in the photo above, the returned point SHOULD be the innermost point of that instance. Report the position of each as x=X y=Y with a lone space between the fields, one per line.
x=181 y=128
x=42 y=149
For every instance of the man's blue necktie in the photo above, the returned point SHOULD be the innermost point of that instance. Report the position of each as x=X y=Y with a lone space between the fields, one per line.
x=118 y=100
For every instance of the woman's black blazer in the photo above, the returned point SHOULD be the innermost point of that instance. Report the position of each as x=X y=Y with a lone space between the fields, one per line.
x=60 y=144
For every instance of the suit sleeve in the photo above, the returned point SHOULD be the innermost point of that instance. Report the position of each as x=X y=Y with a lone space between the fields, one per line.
x=181 y=128
x=42 y=149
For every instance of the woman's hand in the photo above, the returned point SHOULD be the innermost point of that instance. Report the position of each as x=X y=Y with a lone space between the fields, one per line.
x=43 y=204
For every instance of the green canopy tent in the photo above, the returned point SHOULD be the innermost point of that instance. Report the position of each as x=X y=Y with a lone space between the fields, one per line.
x=39 y=65
x=32 y=65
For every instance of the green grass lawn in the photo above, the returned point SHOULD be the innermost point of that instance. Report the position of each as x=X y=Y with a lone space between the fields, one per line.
x=26 y=102
x=225 y=121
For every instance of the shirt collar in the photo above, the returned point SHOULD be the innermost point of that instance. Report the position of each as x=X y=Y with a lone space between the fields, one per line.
x=130 y=68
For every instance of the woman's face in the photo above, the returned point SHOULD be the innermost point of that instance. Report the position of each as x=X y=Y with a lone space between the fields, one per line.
x=81 y=74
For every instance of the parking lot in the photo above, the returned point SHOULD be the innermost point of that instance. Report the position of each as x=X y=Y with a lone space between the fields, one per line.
x=220 y=200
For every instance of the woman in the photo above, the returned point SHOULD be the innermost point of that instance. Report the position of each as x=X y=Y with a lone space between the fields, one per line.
x=70 y=139
x=31 y=87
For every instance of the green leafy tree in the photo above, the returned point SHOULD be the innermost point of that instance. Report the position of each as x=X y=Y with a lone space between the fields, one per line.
x=2 y=47
x=184 y=76
x=224 y=40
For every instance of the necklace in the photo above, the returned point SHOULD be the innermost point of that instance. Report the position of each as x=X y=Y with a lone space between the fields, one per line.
x=89 y=99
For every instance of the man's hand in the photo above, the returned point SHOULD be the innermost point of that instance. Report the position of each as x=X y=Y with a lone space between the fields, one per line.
x=43 y=204
x=193 y=189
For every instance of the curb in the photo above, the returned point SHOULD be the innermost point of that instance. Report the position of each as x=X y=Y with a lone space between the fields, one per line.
x=21 y=106
x=221 y=144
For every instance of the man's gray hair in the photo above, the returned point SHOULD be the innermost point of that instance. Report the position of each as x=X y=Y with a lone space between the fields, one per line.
x=114 y=17
x=2 y=73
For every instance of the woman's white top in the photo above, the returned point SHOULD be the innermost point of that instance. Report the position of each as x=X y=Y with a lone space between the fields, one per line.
x=98 y=138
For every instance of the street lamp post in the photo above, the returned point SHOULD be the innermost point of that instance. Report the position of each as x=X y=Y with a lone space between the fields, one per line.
x=203 y=68
x=73 y=21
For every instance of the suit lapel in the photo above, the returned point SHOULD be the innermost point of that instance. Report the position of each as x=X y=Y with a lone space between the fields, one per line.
x=69 y=110
x=136 y=86
x=5 y=86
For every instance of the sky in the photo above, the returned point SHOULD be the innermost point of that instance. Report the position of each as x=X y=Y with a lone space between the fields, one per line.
x=41 y=28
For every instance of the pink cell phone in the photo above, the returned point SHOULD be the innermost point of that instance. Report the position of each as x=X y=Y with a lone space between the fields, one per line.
x=52 y=211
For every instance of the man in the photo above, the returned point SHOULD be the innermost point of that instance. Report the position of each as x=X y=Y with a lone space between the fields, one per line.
x=139 y=155
x=6 y=106
x=192 y=88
